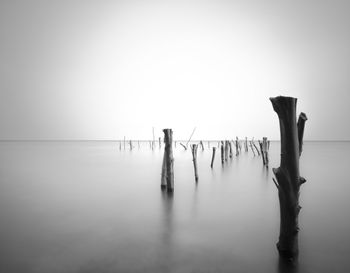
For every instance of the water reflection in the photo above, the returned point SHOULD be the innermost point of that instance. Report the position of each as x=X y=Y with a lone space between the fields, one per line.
x=167 y=217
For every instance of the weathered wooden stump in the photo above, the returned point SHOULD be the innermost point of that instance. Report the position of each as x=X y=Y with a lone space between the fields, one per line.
x=194 y=156
x=168 y=162
x=287 y=174
x=213 y=157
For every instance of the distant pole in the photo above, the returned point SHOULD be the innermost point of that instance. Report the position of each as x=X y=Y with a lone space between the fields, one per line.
x=213 y=157
x=160 y=145
x=194 y=156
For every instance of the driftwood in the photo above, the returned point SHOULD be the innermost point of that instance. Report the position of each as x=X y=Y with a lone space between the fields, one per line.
x=287 y=174
x=168 y=161
x=194 y=156
x=213 y=157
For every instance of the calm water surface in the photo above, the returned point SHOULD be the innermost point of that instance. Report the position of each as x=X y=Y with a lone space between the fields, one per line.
x=90 y=207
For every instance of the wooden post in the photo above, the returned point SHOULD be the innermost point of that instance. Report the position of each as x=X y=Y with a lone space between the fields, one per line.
x=226 y=150
x=256 y=148
x=138 y=143
x=262 y=152
x=120 y=145
x=251 y=147
x=287 y=174
x=237 y=149
x=230 y=147
x=194 y=156
x=130 y=143
x=160 y=145
x=213 y=157
x=265 y=151
x=201 y=143
x=246 y=145
x=168 y=161
x=124 y=142
x=222 y=152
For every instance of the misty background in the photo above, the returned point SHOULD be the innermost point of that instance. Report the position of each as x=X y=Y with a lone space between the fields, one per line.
x=109 y=69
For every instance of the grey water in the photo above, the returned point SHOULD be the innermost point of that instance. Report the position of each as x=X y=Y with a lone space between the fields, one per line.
x=91 y=207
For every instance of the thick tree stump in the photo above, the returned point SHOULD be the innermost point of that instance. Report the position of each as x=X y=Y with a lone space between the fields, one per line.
x=168 y=161
x=194 y=156
x=213 y=157
x=287 y=175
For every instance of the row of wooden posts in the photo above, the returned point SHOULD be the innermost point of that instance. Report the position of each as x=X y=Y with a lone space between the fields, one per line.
x=167 y=176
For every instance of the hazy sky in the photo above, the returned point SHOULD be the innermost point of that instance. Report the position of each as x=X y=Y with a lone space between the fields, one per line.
x=105 y=69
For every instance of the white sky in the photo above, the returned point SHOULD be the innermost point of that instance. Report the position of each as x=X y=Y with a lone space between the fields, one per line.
x=105 y=69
